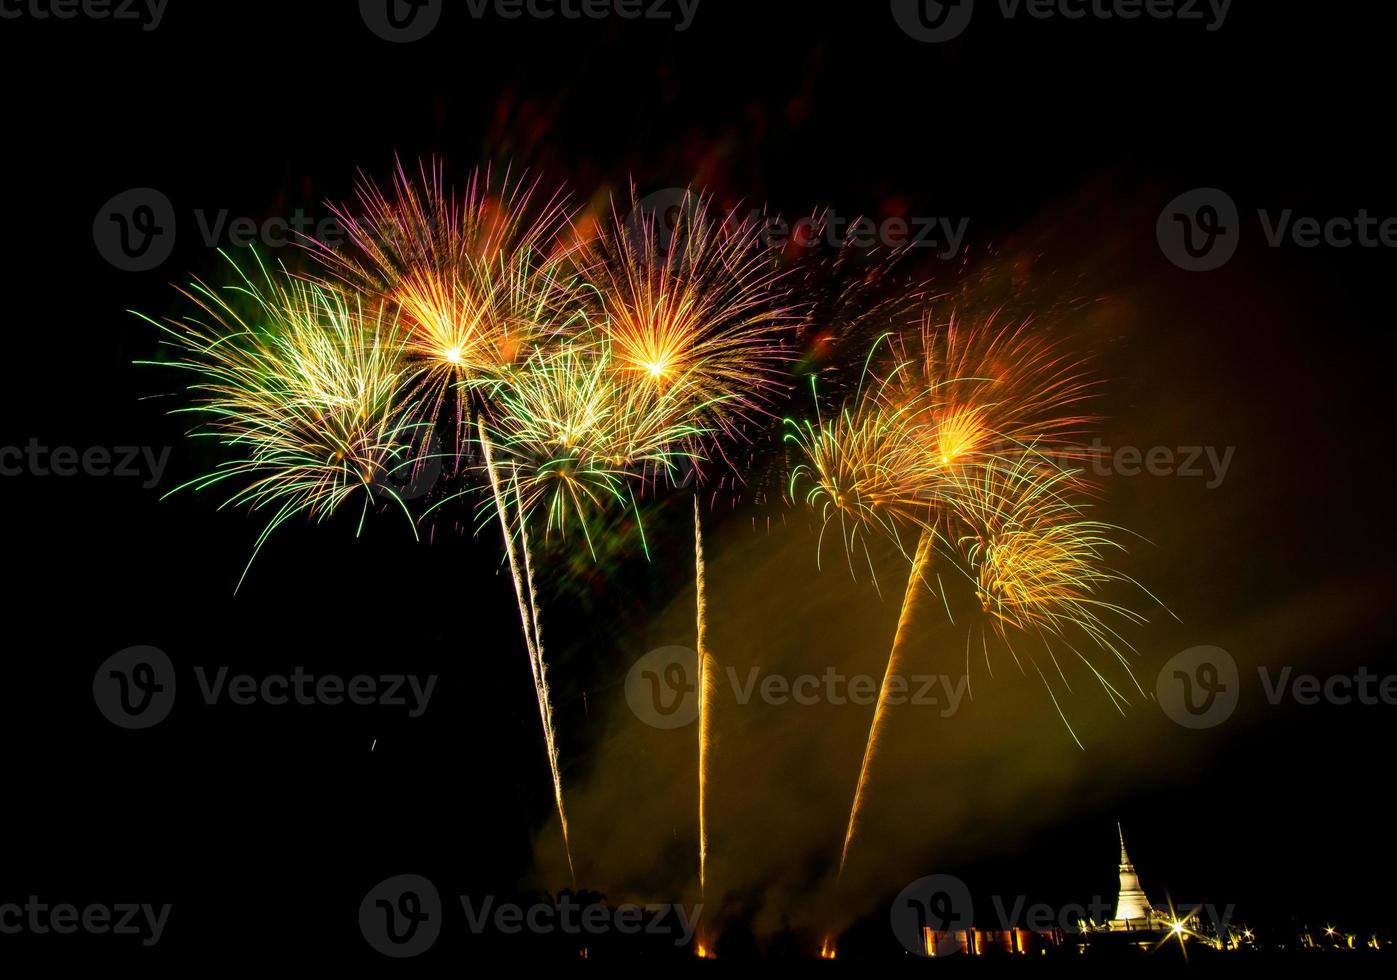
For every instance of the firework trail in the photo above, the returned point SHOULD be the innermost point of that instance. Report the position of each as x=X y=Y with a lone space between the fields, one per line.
x=916 y=583
x=564 y=437
x=935 y=424
x=528 y=618
x=705 y=693
x=696 y=312
x=481 y=284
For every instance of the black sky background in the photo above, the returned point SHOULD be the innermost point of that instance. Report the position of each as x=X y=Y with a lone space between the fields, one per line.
x=264 y=827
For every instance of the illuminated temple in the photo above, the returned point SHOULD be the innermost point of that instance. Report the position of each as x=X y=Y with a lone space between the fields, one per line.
x=1136 y=923
x=1133 y=910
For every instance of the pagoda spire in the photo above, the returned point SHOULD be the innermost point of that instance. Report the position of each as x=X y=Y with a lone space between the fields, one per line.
x=1132 y=907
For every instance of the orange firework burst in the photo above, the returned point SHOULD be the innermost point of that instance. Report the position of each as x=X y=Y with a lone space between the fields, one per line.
x=1039 y=565
x=480 y=279
x=866 y=469
x=948 y=430
x=989 y=388
x=696 y=310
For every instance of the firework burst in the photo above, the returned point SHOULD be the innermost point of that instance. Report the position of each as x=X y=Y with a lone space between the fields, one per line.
x=988 y=388
x=480 y=279
x=695 y=311
x=1040 y=567
x=943 y=414
x=306 y=386
x=866 y=468
x=696 y=315
x=576 y=438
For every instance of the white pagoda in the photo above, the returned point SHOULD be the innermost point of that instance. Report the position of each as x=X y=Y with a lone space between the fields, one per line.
x=1133 y=909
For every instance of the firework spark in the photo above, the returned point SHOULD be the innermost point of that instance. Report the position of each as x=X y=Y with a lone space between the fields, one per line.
x=577 y=437
x=989 y=387
x=867 y=469
x=696 y=310
x=308 y=387
x=1040 y=567
x=940 y=415
x=695 y=313
x=481 y=280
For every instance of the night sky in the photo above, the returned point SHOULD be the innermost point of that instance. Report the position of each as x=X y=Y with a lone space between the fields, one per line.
x=1059 y=140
